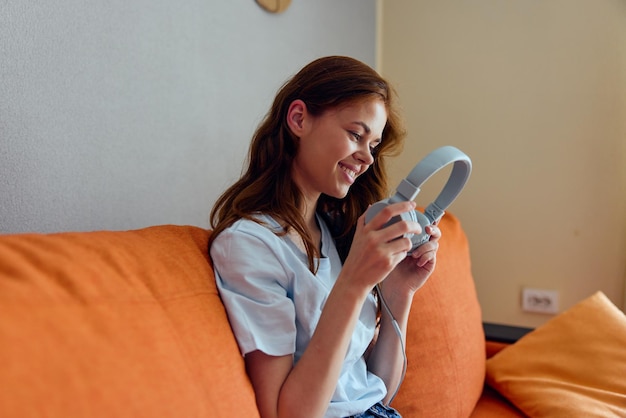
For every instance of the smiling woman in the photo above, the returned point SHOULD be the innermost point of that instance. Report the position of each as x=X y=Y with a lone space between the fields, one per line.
x=300 y=296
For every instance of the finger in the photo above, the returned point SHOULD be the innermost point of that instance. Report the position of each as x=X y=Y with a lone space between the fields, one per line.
x=425 y=257
x=400 y=229
x=399 y=246
x=433 y=231
x=428 y=259
x=429 y=246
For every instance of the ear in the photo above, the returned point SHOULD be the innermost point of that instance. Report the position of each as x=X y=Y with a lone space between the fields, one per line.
x=296 y=116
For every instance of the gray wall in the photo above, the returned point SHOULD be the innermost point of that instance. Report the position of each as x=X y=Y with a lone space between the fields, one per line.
x=120 y=115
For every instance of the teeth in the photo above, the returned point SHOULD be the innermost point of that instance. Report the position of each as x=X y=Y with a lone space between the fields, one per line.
x=347 y=170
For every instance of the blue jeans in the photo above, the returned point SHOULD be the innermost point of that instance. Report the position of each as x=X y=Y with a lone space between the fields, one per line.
x=379 y=411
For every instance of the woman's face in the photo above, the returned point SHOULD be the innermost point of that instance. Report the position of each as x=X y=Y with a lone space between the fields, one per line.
x=336 y=147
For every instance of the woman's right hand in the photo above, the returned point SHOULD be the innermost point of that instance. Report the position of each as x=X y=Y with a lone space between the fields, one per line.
x=376 y=250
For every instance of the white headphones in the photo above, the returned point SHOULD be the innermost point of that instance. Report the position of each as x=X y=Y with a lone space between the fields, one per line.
x=409 y=188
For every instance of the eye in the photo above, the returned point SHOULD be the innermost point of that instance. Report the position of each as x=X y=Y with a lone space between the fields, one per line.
x=374 y=145
x=357 y=137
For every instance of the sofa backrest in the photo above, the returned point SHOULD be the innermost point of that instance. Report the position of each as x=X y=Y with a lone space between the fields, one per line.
x=116 y=324
x=128 y=324
x=445 y=339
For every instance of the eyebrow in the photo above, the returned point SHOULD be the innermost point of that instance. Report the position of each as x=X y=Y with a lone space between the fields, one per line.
x=366 y=128
x=364 y=125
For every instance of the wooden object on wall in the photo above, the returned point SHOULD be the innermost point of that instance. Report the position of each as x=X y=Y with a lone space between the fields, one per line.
x=274 y=6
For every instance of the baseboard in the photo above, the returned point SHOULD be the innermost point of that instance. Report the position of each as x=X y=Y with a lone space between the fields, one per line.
x=504 y=333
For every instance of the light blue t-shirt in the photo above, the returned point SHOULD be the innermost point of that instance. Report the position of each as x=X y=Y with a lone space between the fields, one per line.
x=274 y=304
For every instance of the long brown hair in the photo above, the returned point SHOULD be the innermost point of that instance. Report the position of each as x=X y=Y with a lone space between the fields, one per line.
x=266 y=186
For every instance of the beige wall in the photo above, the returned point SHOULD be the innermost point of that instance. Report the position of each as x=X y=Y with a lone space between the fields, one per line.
x=535 y=93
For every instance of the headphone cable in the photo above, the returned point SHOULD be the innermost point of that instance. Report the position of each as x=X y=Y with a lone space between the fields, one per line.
x=399 y=334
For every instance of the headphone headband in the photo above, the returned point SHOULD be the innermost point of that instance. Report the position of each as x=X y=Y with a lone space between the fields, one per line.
x=409 y=188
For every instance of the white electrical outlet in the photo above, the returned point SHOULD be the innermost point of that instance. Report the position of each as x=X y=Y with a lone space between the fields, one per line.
x=540 y=301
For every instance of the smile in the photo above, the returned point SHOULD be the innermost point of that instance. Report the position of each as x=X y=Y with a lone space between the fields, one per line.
x=349 y=171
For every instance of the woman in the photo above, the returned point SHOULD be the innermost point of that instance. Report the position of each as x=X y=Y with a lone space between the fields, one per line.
x=297 y=266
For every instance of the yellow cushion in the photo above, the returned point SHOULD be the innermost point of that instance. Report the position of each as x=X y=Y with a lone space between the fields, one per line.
x=572 y=366
x=116 y=324
x=445 y=340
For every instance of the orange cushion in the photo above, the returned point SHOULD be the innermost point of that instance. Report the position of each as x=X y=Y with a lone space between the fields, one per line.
x=493 y=405
x=116 y=324
x=494 y=347
x=445 y=341
x=573 y=365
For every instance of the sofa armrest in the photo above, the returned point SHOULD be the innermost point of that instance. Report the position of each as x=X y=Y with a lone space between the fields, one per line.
x=504 y=333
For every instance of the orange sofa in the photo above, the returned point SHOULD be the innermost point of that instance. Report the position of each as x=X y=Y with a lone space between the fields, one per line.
x=129 y=324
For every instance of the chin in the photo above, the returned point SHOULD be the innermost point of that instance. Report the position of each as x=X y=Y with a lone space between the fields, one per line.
x=340 y=194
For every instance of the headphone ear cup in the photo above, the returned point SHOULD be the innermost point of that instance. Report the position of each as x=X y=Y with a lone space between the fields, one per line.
x=406 y=216
x=374 y=209
x=420 y=239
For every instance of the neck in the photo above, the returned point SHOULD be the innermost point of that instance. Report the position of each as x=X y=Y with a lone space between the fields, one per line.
x=308 y=213
x=310 y=224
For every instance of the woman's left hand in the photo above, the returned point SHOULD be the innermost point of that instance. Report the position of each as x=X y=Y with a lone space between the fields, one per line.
x=415 y=269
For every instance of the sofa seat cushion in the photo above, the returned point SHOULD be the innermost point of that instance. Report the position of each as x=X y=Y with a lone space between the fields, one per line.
x=116 y=324
x=445 y=341
x=573 y=365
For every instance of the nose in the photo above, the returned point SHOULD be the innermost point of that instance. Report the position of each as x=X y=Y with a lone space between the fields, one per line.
x=364 y=154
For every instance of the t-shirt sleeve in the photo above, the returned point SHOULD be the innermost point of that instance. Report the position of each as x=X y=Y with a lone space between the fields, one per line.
x=254 y=284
